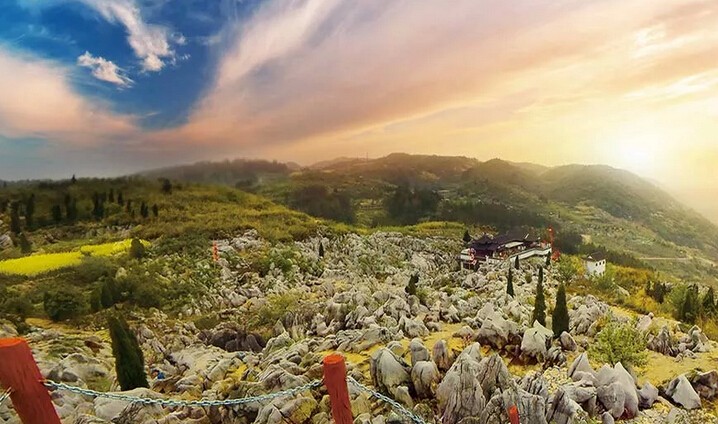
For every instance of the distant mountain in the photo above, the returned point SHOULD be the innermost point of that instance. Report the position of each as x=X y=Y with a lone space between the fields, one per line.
x=613 y=207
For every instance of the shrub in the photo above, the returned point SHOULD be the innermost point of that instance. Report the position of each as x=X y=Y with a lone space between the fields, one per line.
x=410 y=288
x=129 y=360
x=620 y=342
x=137 y=249
x=64 y=303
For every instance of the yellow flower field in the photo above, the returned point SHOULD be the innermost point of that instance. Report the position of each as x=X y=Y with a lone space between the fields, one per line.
x=41 y=263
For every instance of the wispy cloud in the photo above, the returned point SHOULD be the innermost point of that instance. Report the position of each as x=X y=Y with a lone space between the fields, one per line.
x=151 y=43
x=38 y=101
x=104 y=69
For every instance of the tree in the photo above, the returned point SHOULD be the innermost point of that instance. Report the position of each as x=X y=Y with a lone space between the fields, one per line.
x=467 y=237
x=166 y=186
x=64 y=303
x=539 y=313
x=98 y=207
x=622 y=343
x=15 y=218
x=25 y=246
x=411 y=287
x=510 y=283
x=128 y=206
x=559 y=318
x=73 y=180
x=129 y=360
x=56 y=214
x=155 y=210
x=709 y=304
x=689 y=307
x=120 y=199
x=144 y=210
x=30 y=210
x=321 y=249
x=516 y=264
x=548 y=260
x=567 y=269
x=137 y=249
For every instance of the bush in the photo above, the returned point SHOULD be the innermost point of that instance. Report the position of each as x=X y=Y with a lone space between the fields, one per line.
x=137 y=249
x=64 y=303
x=620 y=342
x=410 y=289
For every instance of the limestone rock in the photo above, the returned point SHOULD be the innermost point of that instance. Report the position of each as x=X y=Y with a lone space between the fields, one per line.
x=567 y=342
x=680 y=391
x=424 y=376
x=419 y=352
x=460 y=393
x=442 y=355
x=388 y=371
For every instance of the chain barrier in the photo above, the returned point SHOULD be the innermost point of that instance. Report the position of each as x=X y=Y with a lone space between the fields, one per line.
x=394 y=404
x=4 y=396
x=181 y=403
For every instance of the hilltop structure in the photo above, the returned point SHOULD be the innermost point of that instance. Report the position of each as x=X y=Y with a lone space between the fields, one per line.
x=501 y=248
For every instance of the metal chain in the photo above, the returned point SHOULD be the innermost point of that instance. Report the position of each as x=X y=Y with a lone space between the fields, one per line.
x=4 y=396
x=394 y=404
x=182 y=403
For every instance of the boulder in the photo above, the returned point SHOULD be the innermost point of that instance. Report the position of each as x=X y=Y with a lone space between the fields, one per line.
x=647 y=396
x=388 y=371
x=567 y=342
x=419 y=352
x=680 y=391
x=555 y=357
x=662 y=343
x=299 y=410
x=425 y=375
x=535 y=383
x=705 y=384
x=442 y=355
x=617 y=391
x=493 y=375
x=529 y=406
x=535 y=342
x=580 y=364
x=460 y=393
x=561 y=409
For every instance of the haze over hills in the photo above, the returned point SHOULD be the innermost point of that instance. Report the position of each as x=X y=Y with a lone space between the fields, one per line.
x=610 y=207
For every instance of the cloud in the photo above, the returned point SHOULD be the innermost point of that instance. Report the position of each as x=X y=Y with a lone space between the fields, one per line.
x=151 y=43
x=39 y=102
x=104 y=69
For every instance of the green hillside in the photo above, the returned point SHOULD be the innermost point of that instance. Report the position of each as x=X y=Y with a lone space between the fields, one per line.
x=609 y=207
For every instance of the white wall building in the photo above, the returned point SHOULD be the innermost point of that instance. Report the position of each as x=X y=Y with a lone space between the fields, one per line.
x=595 y=264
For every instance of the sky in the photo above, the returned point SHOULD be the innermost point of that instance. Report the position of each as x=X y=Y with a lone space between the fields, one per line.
x=108 y=87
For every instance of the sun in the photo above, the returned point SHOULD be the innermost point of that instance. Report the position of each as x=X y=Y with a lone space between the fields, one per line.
x=637 y=157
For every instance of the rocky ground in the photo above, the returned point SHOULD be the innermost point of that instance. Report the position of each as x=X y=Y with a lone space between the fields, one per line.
x=460 y=351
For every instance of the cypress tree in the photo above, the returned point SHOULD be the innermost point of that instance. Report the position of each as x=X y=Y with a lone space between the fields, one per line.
x=120 y=199
x=30 y=210
x=144 y=210
x=56 y=214
x=128 y=206
x=467 y=236
x=166 y=186
x=129 y=360
x=73 y=180
x=516 y=265
x=539 y=313
x=106 y=296
x=559 y=321
x=15 y=218
x=510 y=283
x=321 y=249
x=548 y=260
x=155 y=210
x=709 y=302
x=111 y=196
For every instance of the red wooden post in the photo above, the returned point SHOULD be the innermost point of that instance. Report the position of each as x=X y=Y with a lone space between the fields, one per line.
x=215 y=252
x=514 y=414
x=19 y=372
x=335 y=380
